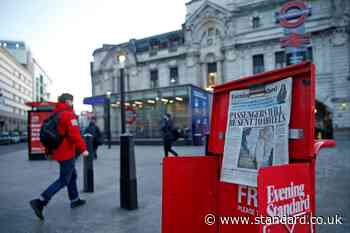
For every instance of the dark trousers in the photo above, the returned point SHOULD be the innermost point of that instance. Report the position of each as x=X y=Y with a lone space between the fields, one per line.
x=167 y=148
x=68 y=177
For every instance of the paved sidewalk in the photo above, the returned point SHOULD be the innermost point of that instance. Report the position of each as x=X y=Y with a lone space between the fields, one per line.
x=22 y=180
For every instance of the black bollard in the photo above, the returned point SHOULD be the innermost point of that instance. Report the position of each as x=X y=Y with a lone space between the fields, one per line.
x=128 y=182
x=89 y=165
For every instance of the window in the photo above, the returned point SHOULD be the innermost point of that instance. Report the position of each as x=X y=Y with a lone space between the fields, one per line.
x=256 y=21
x=174 y=76
x=280 y=59
x=154 y=78
x=307 y=56
x=173 y=44
x=155 y=44
x=210 y=32
x=163 y=44
x=258 y=63
x=154 y=47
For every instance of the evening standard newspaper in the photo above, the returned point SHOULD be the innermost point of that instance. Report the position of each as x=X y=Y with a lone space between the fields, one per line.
x=257 y=131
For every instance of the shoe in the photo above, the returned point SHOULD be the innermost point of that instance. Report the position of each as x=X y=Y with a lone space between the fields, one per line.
x=77 y=203
x=38 y=206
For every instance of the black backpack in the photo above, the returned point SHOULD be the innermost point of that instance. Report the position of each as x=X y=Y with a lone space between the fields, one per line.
x=49 y=136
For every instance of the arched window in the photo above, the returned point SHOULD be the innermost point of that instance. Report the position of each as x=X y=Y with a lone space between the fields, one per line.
x=211 y=36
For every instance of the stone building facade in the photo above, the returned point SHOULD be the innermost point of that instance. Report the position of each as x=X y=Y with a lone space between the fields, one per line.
x=42 y=83
x=22 y=80
x=223 y=40
x=16 y=88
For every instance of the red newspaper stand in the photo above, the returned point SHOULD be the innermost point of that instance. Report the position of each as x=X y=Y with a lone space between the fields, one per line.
x=39 y=112
x=194 y=198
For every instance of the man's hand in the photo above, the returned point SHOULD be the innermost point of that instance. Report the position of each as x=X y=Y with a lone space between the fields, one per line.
x=85 y=153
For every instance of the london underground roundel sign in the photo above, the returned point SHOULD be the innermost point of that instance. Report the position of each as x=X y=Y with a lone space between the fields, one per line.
x=130 y=115
x=293 y=14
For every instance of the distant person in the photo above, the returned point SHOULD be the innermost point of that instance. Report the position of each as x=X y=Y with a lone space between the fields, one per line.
x=167 y=129
x=96 y=134
x=65 y=155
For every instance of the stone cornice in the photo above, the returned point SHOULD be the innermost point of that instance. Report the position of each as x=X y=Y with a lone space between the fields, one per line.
x=275 y=32
x=228 y=47
x=162 y=59
x=250 y=5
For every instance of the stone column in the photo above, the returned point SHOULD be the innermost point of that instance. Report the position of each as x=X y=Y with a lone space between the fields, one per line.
x=204 y=75
x=220 y=73
x=114 y=78
x=341 y=74
x=270 y=59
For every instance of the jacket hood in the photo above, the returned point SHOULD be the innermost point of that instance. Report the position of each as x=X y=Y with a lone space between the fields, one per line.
x=63 y=107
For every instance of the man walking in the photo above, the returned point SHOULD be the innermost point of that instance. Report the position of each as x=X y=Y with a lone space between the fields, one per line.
x=167 y=129
x=65 y=155
x=96 y=135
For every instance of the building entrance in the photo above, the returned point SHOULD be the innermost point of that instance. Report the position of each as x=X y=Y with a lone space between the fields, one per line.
x=212 y=75
x=323 y=121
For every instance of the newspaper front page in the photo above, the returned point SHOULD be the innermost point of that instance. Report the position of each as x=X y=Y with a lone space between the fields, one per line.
x=257 y=131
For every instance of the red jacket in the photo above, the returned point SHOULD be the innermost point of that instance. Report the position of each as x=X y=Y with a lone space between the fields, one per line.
x=68 y=127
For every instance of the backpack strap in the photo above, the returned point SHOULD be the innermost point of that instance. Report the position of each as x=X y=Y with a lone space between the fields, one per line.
x=58 y=115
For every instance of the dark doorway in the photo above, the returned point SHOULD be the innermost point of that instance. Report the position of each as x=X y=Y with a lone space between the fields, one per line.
x=323 y=121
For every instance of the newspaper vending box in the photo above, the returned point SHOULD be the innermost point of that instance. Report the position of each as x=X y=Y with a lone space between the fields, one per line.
x=40 y=111
x=259 y=172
